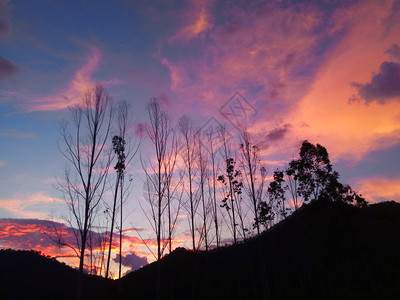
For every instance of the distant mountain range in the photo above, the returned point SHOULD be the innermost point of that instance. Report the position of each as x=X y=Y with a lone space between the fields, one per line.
x=325 y=250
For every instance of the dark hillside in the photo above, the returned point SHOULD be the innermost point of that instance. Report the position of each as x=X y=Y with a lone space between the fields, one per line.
x=29 y=275
x=325 y=250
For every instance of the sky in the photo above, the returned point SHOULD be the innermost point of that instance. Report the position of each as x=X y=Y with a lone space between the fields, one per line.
x=326 y=71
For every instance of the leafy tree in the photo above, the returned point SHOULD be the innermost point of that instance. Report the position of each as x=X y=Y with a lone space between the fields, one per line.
x=311 y=177
x=232 y=180
x=312 y=170
x=276 y=193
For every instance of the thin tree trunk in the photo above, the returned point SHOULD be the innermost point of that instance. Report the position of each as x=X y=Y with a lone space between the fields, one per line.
x=112 y=224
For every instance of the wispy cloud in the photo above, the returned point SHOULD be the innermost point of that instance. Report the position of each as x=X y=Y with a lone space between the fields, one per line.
x=278 y=59
x=28 y=206
x=15 y=133
x=72 y=94
x=197 y=20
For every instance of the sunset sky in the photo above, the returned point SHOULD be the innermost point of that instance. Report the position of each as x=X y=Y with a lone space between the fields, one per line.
x=327 y=71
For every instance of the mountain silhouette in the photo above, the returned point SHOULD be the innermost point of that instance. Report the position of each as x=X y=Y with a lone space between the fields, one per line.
x=30 y=275
x=325 y=250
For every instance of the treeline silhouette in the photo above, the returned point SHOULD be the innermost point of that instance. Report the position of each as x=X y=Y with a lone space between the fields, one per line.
x=214 y=177
x=324 y=250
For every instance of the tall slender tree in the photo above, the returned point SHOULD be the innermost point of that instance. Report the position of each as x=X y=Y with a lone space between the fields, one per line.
x=202 y=163
x=173 y=190
x=230 y=178
x=189 y=158
x=159 y=132
x=211 y=135
x=250 y=163
x=88 y=160
x=119 y=149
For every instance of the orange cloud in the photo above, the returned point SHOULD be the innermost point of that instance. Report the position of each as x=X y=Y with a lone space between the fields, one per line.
x=277 y=59
x=350 y=129
x=198 y=19
x=72 y=94
x=379 y=189
x=41 y=235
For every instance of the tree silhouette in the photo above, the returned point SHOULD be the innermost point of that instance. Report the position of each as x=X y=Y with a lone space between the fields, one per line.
x=231 y=179
x=119 y=149
x=250 y=163
x=88 y=162
x=189 y=156
x=311 y=177
x=157 y=181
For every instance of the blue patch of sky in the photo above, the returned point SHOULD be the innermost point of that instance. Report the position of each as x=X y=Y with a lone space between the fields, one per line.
x=383 y=163
x=328 y=5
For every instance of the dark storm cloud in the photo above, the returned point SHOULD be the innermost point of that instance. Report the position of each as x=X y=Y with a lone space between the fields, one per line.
x=383 y=86
x=394 y=52
x=278 y=133
x=7 y=68
x=132 y=260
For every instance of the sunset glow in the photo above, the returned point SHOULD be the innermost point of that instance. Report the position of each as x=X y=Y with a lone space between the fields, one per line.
x=323 y=71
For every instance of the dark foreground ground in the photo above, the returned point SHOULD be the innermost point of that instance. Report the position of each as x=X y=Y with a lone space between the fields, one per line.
x=323 y=251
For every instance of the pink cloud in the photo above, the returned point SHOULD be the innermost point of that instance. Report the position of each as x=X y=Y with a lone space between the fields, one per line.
x=72 y=94
x=260 y=55
x=255 y=52
x=43 y=235
x=26 y=206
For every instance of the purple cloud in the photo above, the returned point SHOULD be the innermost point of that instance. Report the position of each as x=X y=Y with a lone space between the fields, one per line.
x=7 y=68
x=278 y=133
x=394 y=52
x=132 y=260
x=4 y=27
x=384 y=85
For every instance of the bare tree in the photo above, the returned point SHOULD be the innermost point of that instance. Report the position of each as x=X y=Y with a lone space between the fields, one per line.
x=88 y=161
x=189 y=158
x=125 y=149
x=159 y=132
x=250 y=162
x=173 y=190
x=202 y=163
x=210 y=138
